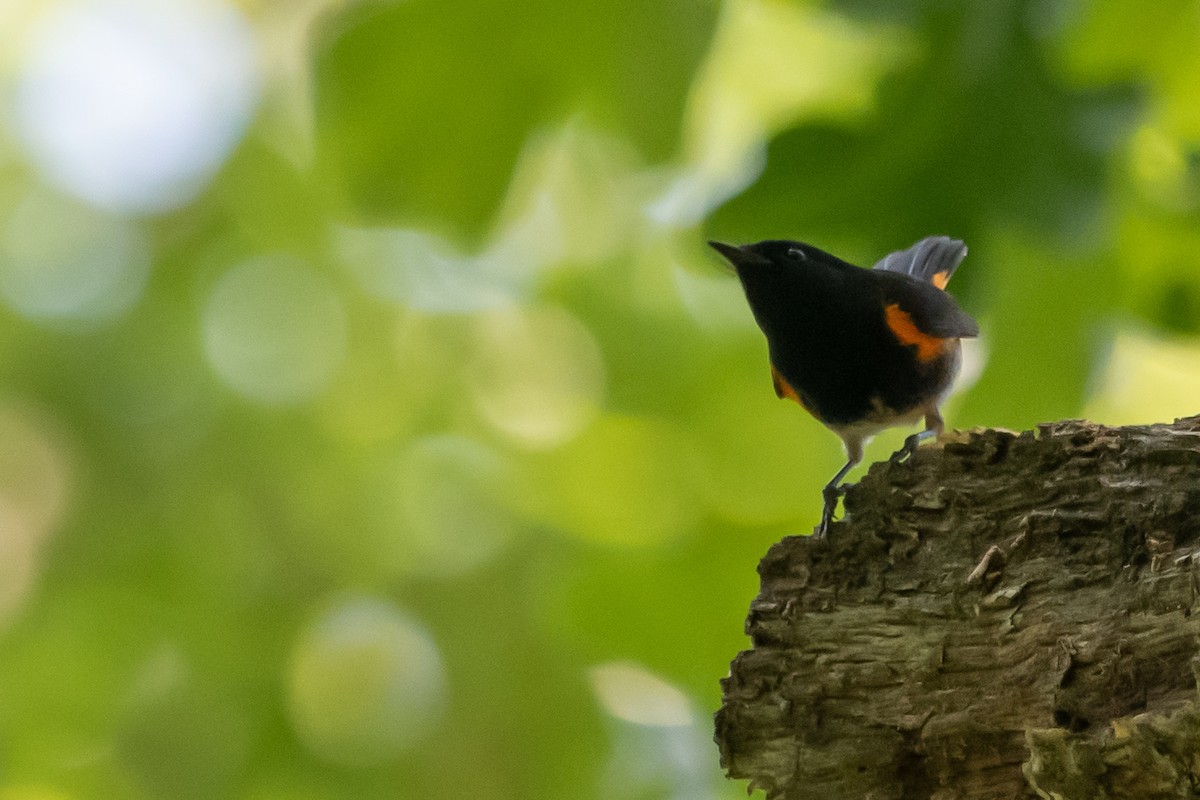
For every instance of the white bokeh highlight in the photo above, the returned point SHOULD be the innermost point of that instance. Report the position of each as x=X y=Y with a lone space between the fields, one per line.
x=63 y=261
x=451 y=515
x=538 y=375
x=423 y=271
x=132 y=105
x=631 y=692
x=659 y=745
x=275 y=330
x=366 y=684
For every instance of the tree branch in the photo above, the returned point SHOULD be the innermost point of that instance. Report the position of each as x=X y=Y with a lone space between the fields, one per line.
x=1004 y=616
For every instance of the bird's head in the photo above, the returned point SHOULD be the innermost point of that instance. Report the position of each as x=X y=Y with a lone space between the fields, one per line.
x=771 y=254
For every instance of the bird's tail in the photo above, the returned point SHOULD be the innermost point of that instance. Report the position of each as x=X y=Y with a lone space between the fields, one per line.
x=932 y=259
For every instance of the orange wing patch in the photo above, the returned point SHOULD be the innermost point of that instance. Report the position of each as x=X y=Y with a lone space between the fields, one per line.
x=940 y=279
x=906 y=332
x=784 y=390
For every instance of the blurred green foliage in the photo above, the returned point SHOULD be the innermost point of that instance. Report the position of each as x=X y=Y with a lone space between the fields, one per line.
x=421 y=114
x=421 y=449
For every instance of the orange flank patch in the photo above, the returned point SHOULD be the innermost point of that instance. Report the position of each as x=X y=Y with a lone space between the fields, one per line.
x=940 y=279
x=906 y=332
x=783 y=389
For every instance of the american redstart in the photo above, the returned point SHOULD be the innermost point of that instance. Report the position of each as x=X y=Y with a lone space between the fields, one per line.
x=860 y=349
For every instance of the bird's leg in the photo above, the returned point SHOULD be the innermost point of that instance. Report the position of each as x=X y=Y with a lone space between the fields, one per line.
x=934 y=425
x=834 y=490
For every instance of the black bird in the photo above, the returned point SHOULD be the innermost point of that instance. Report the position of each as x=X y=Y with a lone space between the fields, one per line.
x=860 y=349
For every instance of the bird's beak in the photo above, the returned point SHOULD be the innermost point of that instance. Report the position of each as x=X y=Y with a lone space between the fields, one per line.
x=737 y=256
x=731 y=252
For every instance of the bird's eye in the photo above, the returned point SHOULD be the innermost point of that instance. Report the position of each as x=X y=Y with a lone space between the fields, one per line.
x=797 y=253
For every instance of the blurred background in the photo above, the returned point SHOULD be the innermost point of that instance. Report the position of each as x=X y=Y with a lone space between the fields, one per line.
x=374 y=422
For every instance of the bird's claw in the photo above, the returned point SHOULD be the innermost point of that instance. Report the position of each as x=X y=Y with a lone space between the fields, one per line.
x=906 y=450
x=831 y=494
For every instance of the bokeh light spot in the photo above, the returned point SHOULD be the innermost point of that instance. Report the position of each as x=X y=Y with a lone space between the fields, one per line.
x=133 y=104
x=538 y=376
x=60 y=260
x=574 y=198
x=367 y=683
x=439 y=508
x=630 y=692
x=423 y=271
x=452 y=519
x=34 y=491
x=275 y=330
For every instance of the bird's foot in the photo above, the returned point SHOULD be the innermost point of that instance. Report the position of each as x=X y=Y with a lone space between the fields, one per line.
x=910 y=446
x=830 y=494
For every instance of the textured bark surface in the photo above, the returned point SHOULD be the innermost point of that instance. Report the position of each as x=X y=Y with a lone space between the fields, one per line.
x=1004 y=616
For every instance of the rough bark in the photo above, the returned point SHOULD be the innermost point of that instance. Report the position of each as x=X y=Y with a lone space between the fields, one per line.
x=1004 y=616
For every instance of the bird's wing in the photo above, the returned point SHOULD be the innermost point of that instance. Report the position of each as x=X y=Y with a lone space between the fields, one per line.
x=928 y=311
x=933 y=260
